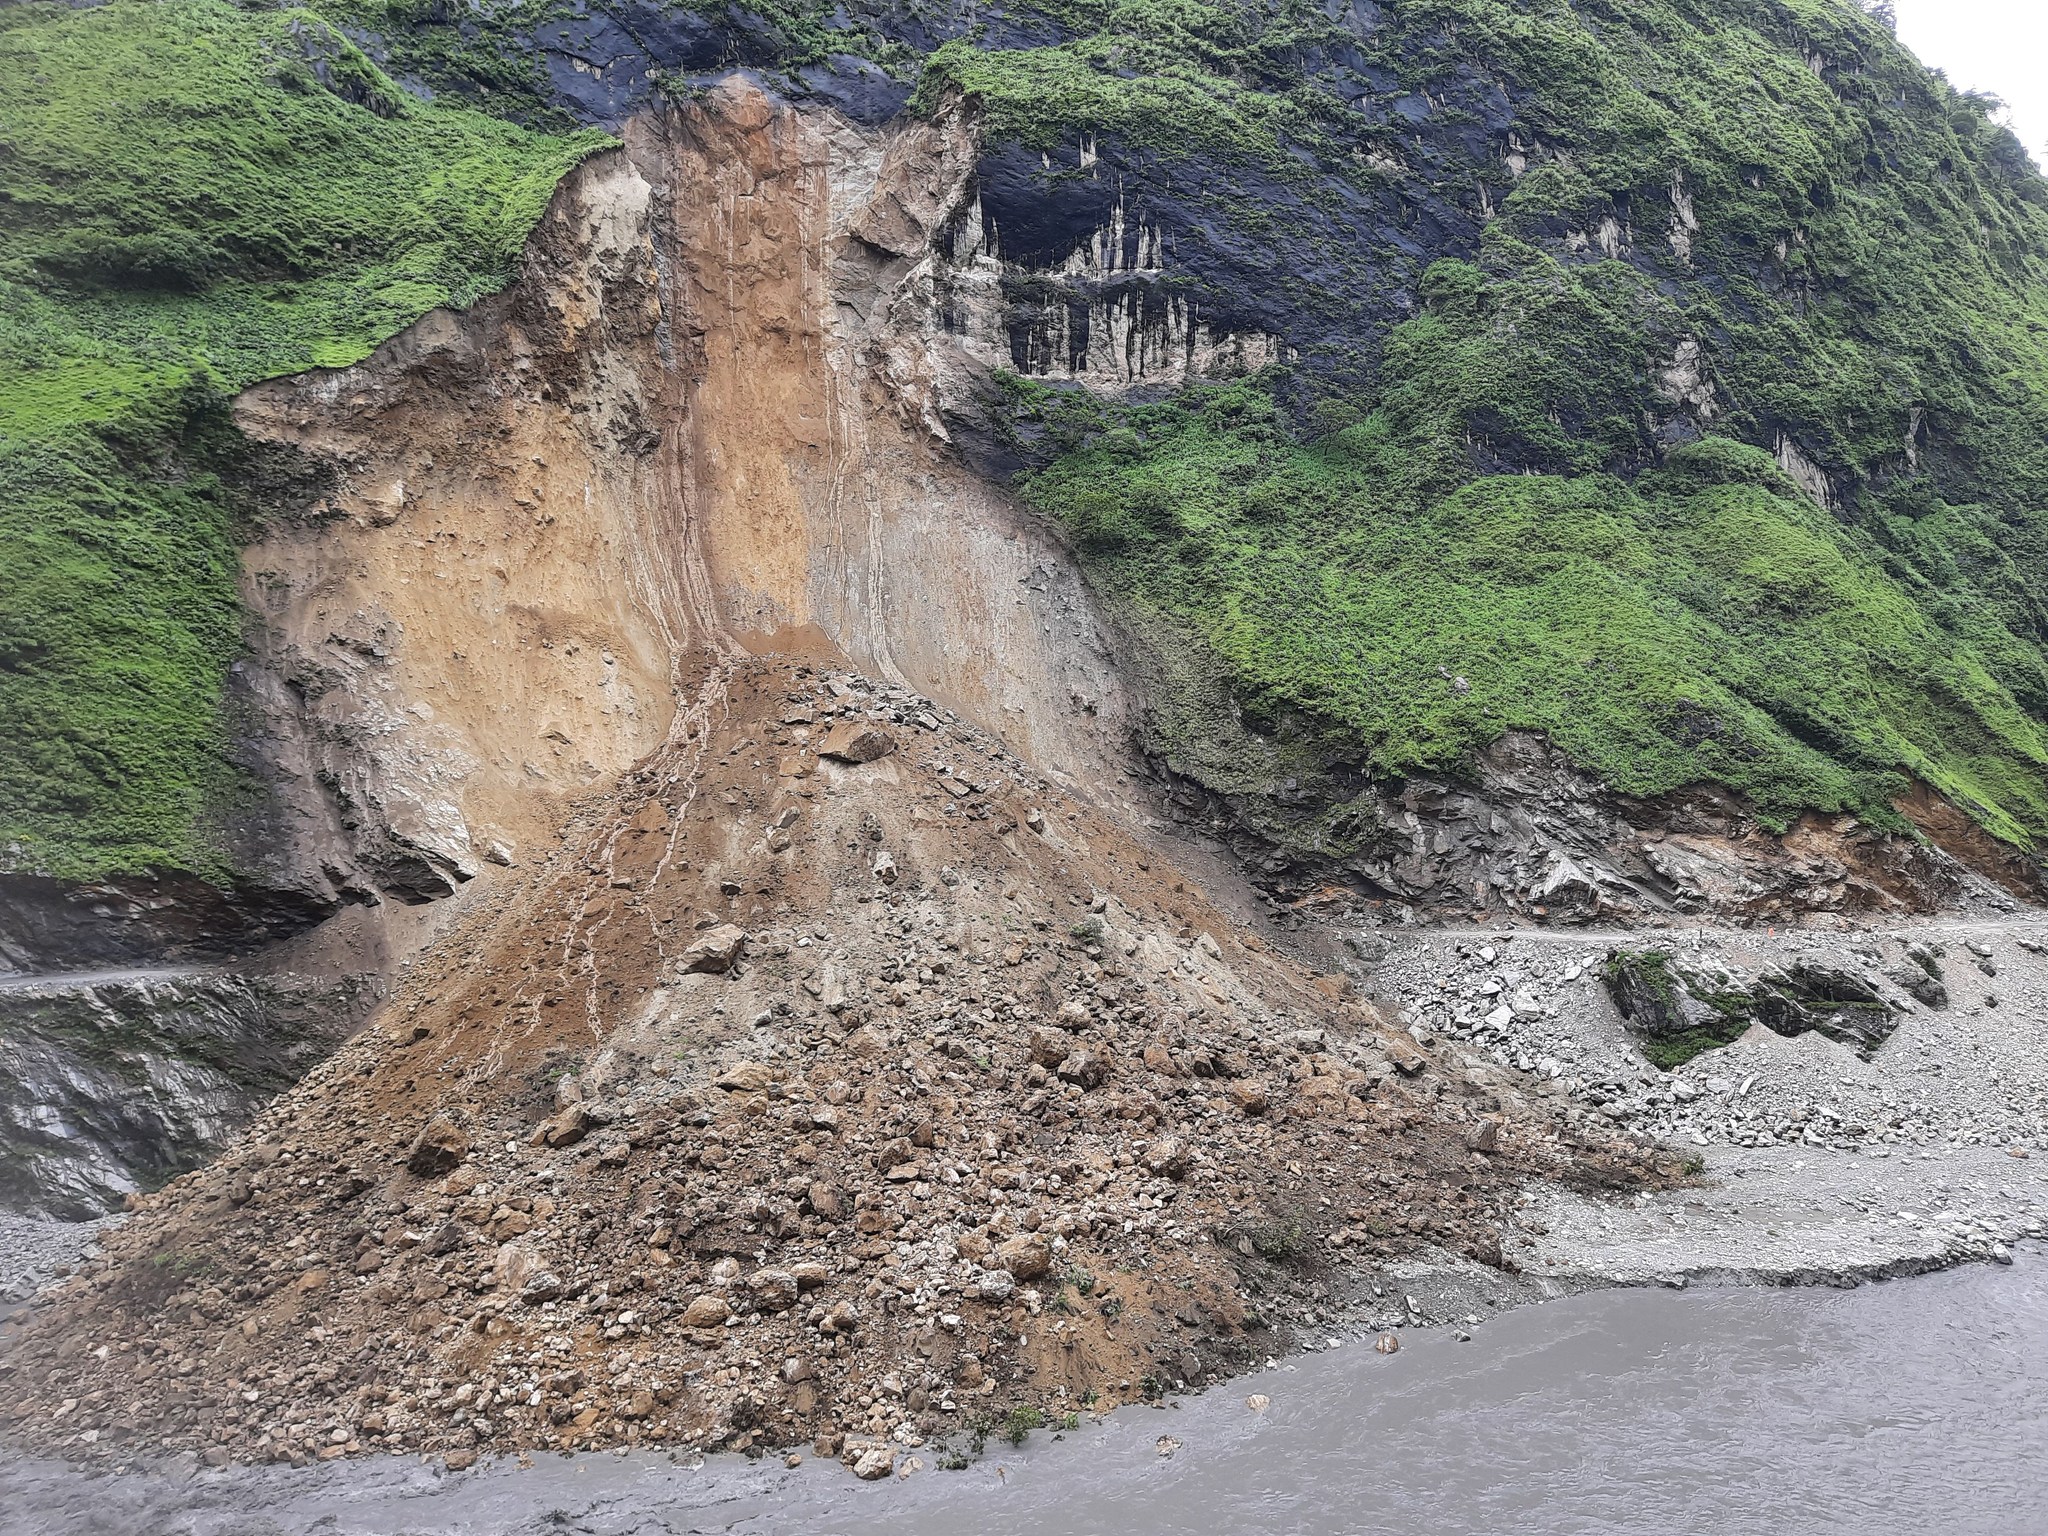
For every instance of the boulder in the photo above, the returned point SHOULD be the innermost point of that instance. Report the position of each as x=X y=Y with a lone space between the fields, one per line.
x=570 y=1126
x=1049 y=1047
x=715 y=951
x=746 y=1077
x=1027 y=1256
x=839 y=1319
x=772 y=1290
x=810 y=1275
x=1827 y=1000
x=440 y=1147
x=1678 y=1012
x=1168 y=1158
x=856 y=741
x=706 y=1311
x=1085 y=1068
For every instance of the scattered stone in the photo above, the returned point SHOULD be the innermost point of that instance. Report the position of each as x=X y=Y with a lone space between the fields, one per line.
x=706 y=1311
x=1027 y=1256
x=1088 y=1069
x=746 y=1077
x=1168 y=1157
x=773 y=1290
x=1248 y=1096
x=1049 y=1047
x=875 y=1464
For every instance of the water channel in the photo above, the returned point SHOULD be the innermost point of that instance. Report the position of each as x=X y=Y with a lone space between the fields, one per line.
x=1910 y=1407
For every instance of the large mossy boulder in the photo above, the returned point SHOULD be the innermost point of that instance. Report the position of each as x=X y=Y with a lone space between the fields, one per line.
x=1676 y=1012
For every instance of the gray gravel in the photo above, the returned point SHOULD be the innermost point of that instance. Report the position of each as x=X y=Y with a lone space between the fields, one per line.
x=1972 y=1074
x=1779 y=1216
x=1818 y=1166
x=34 y=1251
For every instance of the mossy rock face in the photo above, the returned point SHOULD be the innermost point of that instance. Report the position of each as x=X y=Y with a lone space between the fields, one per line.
x=1674 y=1016
x=1676 y=1012
x=1806 y=997
x=1611 y=409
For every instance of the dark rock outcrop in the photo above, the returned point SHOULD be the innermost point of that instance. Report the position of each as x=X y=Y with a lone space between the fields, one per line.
x=112 y=1087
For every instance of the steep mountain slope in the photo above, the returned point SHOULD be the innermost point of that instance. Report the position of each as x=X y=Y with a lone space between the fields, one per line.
x=1753 y=221
x=1656 y=379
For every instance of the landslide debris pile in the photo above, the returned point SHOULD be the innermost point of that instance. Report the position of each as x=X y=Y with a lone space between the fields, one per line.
x=842 y=1081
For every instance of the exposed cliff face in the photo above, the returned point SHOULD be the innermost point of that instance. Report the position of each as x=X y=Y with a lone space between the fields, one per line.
x=110 y=1087
x=486 y=617
x=816 y=469
x=706 y=417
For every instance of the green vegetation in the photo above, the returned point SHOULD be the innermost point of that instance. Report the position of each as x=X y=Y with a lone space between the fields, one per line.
x=195 y=198
x=1175 y=76
x=1503 y=524
x=1701 y=622
x=1020 y=1422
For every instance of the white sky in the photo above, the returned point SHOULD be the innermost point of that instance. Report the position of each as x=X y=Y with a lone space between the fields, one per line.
x=2000 y=46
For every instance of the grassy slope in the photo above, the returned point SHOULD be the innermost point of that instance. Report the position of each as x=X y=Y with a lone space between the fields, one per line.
x=1868 y=245
x=195 y=198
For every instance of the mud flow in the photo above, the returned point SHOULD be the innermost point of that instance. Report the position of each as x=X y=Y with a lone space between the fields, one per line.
x=1620 y=1412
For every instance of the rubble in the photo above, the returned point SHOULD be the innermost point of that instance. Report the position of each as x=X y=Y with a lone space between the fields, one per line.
x=1030 y=1122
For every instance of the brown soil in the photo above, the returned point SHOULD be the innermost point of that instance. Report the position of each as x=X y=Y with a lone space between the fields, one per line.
x=992 y=1109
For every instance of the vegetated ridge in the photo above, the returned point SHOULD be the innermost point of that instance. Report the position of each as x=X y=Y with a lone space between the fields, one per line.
x=195 y=197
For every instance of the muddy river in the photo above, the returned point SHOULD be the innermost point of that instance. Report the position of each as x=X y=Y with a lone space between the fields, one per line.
x=1910 y=1407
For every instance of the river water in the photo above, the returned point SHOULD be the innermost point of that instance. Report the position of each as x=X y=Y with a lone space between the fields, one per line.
x=1913 y=1407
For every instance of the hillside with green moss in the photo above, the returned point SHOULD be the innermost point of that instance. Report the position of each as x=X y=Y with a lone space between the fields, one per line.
x=193 y=197
x=1711 y=444
x=1669 y=377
